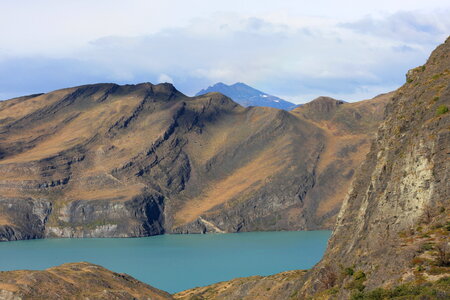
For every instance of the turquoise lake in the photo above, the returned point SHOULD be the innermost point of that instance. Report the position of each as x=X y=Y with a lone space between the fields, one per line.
x=176 y=262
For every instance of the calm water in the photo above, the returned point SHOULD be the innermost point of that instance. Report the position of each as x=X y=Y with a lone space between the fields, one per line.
x=176 y=262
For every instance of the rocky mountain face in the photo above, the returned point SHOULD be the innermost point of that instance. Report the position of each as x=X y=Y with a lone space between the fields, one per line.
x=123 y=161
x=75 y=281
x=393 y=226
x=247 y=96
x=391 y=240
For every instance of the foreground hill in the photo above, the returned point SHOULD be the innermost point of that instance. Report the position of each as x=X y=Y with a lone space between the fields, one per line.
x=118 y=161
x=391 y=240
x=247 y=96
x=75 y=281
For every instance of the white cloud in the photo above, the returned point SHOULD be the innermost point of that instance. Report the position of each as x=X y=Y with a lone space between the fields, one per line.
x=286 y=48
x=164 y=78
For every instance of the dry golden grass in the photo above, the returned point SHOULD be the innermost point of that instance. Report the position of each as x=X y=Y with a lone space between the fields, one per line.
x=77 y=131
x=224 y=134
x=8 y=287
x=4 y=220
x=329 y=203
x=16 y=109
x=122 y=193
x=11 y=193
x=242 y=181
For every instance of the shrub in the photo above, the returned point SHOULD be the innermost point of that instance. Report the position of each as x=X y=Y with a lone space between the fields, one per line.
x=358 y=281
x=349 y=271
x=443 y=255
x=442 y=109
x=447 y=226
x=333 y=291
x=328 y=277
x=431 y=290
x=436 y=76
x=426 y=247
x=360 y=275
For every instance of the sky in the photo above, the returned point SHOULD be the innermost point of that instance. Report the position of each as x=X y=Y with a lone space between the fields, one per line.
x=294 y=49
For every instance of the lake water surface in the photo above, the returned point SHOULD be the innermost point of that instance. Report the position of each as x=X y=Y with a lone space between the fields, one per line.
x=176 y=262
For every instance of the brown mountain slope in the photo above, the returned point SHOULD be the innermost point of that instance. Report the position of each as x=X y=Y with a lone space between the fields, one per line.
x=391 y=240
x=75 y=281
x=348 y=130
x=116 y=161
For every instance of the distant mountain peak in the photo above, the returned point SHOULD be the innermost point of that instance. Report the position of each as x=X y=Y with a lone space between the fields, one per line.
x=246 y=95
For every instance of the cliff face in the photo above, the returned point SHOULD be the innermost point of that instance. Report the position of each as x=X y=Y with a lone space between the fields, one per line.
x=75 y=281
x=399 y=200
x=136 y=160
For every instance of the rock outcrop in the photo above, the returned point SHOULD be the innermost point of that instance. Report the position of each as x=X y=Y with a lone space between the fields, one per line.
x=393 y=226
x=136 y=160
x=75 y=281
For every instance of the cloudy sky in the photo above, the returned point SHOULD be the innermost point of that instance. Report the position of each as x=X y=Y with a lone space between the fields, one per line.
x=293 y=49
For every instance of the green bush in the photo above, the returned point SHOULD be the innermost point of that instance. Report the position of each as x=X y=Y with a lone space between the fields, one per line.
x=442 y=109
x=360 y=275
x=436 y=290
x=447 y=226
x=349 y=271
x=426 y=247
x=358 y=281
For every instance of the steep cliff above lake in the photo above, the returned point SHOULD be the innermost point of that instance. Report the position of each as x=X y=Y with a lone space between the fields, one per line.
x=393 y=226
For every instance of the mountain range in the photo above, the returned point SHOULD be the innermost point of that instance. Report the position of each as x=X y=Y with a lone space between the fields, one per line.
x=106 y=160
x=247 y=96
